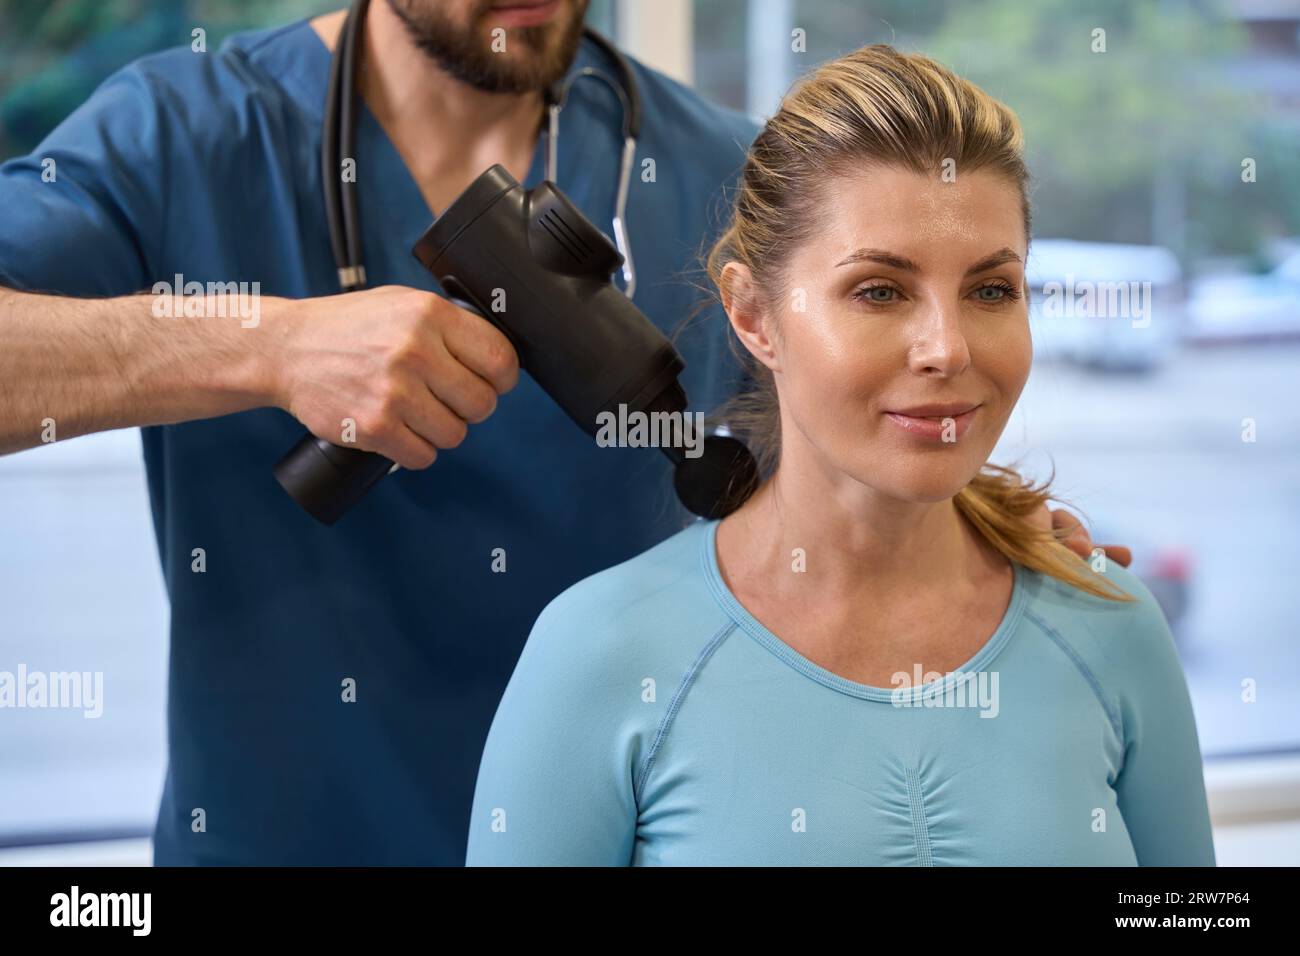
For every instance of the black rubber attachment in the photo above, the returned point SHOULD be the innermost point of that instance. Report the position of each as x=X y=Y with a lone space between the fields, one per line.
x=327 y=480
x=718 y=482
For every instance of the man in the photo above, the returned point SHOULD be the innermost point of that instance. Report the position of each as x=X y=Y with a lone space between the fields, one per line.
x=331 y=688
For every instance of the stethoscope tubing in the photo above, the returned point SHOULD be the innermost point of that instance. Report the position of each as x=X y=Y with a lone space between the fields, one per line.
x=338 y=141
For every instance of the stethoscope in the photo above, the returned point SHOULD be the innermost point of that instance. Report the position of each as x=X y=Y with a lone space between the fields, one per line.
x=338 y=142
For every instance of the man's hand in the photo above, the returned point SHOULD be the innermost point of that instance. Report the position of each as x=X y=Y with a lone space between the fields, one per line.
x=1078 y=540
x=410 y=370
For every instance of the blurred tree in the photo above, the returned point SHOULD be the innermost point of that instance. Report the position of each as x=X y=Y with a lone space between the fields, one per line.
x=53 y=53
x=1234 y=218
x=1141 y=143
x=1124 y=143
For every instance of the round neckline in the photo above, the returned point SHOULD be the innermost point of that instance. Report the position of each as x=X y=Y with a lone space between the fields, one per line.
x=759 y=632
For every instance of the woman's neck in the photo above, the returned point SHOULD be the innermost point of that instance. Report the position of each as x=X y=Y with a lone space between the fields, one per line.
x=859 y=547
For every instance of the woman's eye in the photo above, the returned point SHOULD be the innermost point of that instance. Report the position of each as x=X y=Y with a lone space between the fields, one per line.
x=888 y=295
x=994 y=293
x=881 y=294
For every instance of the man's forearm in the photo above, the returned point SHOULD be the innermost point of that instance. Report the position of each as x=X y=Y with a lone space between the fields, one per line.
x=73 y=366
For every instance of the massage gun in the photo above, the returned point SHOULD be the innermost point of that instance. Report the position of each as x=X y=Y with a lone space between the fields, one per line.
x=547 y=268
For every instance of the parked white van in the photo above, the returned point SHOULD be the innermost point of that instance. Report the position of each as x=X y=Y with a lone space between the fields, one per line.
x=1105 y=305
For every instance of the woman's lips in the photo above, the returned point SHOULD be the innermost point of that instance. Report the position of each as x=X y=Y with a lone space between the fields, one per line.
x=524 y=14
x=934 y=426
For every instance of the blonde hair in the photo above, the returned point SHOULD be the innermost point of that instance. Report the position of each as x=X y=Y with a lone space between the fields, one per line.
x=881 y=107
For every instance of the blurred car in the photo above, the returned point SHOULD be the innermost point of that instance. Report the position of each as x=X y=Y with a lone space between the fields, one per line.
x=1243 y=307
x=1105 y=305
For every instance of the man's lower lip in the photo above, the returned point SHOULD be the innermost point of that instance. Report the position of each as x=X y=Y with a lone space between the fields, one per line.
x=524 y=16
x=934 y=428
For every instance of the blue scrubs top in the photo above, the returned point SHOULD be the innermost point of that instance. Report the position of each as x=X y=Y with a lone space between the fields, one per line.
x=207 y=165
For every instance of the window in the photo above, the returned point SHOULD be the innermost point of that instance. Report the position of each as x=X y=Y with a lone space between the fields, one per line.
x=1182 y=443
x=81 y=590
x=1180 y=438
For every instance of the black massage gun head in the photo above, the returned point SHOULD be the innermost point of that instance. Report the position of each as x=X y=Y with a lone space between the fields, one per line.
x=719 y=480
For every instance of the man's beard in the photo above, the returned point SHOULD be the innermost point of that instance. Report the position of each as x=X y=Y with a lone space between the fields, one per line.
x=466 y=52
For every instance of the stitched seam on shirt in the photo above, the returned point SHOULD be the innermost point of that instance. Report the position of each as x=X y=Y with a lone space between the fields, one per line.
x=1083 y=668
x=275 y=33
x=683 y=688
x=920 y=825
x=151 y=258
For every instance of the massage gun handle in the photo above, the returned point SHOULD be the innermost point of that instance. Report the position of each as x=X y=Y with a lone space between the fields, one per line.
x=328 y=479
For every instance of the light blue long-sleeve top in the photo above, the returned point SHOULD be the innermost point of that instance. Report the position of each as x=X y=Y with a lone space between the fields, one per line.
x=652 y=720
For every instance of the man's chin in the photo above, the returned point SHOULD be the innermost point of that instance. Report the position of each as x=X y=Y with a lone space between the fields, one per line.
x=527 y=66
x=533 y=57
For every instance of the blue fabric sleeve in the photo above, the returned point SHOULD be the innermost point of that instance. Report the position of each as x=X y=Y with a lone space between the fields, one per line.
x=89 y=231
x=555 y=784
x=1161 y=785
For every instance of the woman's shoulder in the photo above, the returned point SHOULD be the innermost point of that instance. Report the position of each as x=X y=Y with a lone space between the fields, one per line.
x=1116 y=640
x=653 y=608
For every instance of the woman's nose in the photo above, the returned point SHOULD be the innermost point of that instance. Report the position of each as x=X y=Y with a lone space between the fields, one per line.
x=939 y=344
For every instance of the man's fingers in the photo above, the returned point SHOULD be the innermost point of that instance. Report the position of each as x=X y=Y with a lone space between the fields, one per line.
x=409 y=449
x=483 y=349
x=470 y=396
x=1041 y=518
x=1118 y=553
x=1064 y=519
x=1077 y=538
x=433 y=421
x=1080 y=542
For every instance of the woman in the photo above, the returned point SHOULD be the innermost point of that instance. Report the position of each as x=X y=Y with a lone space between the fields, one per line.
x=879 y=657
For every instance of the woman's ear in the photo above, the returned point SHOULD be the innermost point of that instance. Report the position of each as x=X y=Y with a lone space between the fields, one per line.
x=750 y=320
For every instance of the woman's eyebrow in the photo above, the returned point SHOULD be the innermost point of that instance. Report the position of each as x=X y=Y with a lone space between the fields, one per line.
x=886 y=258
x=998 y=258
x=880 y=256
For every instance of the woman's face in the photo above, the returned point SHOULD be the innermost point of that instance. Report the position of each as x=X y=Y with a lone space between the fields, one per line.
x=903 y=339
